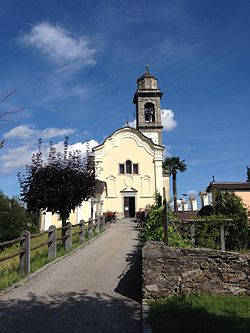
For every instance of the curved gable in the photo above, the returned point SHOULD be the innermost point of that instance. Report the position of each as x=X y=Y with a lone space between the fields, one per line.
x=127 y=133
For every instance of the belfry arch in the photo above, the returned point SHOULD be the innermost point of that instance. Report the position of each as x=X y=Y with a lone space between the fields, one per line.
x=149 y=112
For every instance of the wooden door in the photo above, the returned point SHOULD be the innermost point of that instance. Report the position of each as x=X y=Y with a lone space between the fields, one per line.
x=129 y=206
x=126 y=206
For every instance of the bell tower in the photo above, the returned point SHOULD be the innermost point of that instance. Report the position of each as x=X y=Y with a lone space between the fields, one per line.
x=147 y=99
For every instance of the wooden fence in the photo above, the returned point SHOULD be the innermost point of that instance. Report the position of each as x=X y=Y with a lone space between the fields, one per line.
x=86 y=230
x=188 y=226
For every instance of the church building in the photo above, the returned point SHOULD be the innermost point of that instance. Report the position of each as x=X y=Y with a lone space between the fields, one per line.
x=128 y=163
x=130 y=160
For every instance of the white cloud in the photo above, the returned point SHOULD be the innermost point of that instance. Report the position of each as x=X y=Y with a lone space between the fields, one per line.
x=25 y=132
x=132 y=123
x=80 y=91
x=192 y=193
x=83 y=147
x=55 y=42
x=18 y=158
x=168 y=121
x=55 y=132
x=166 y=151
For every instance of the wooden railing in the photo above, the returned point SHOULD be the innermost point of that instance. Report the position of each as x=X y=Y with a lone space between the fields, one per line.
x=86 y=231
x=189 y=226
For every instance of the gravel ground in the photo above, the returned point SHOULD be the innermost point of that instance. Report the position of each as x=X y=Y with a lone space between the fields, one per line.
x=96 y=289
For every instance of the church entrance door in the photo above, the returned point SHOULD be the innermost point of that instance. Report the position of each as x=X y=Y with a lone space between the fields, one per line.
x=129 y=206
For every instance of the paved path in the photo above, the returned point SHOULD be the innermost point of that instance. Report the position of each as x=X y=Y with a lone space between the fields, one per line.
x=96 y=289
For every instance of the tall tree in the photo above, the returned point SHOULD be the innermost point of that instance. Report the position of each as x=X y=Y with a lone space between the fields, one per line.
x=248 y=173
x=173 y=165
x=58 y=184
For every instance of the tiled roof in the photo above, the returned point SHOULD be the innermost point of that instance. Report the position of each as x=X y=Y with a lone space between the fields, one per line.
x=145 y=75
x=233 y=186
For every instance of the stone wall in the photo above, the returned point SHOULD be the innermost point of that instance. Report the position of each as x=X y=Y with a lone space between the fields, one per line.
x=169 y=270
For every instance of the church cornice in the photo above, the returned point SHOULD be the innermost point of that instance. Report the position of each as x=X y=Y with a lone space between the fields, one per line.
x=129 y=190
x=150 y=127
x=148 y=93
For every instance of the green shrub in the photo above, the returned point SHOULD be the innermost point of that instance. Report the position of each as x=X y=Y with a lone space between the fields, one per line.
x=236 y=232
x=229 y=205
x=153 y=228
x=14 y=218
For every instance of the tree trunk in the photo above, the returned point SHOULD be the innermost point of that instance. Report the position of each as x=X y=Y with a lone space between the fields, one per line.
x=175 y=193
x=64 y=223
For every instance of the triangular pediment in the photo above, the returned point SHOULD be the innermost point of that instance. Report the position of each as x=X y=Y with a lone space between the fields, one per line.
x=128 y=189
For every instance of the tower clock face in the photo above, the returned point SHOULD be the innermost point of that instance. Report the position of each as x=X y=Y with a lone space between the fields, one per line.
x=147 y=84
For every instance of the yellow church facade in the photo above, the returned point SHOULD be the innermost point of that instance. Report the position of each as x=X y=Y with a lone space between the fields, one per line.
x=131 y=165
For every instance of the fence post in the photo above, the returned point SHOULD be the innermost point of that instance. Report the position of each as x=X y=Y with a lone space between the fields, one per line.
x=165 y=224
x=52 y=236
x=82 y=232
x=25 y=253
x=68 y=235
x=222 y=237
x=90 y=228
x=97 y=229
x=103 y=223
x=192 y=233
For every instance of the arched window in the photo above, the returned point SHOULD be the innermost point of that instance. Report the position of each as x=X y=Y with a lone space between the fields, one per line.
x=149 y=112
x=128 y=166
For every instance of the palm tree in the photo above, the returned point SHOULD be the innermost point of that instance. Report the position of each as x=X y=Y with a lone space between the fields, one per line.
x=248 y=173
x=173 y=165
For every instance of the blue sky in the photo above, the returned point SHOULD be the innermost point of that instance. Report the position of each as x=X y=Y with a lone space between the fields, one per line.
x=74 y=66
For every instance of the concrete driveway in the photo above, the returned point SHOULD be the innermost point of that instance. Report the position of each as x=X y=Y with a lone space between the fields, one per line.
x=96 y=289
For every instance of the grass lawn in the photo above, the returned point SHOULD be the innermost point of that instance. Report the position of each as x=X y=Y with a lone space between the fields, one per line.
x=201 y=314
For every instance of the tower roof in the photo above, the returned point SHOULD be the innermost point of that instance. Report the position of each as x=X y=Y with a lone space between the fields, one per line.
x=146 y=75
